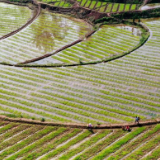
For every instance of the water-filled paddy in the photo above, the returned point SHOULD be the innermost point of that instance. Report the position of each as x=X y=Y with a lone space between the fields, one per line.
x=108 y=41
x=108 y=92
x=111 y=92
x=48 y=33
x=150 y=6
x=12 y=17
x=133 y=29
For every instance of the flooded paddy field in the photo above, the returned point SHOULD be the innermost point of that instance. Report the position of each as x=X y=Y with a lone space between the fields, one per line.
x=101 y=93
x=111 y=92
x=108 y=41
x=46 y=34
x=150 y=6
x=12 y=17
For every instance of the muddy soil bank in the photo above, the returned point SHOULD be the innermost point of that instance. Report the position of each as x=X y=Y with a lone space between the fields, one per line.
x=82 y=126
x=77 y=12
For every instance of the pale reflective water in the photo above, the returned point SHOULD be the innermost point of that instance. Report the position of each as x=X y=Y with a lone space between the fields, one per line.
x=108 y=40
x=46 y=34
x=52 y=30
x=133 y=29
x=12 y=17
x=150 y=6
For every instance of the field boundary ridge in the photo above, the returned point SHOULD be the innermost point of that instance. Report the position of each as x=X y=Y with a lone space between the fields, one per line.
x=80 y=125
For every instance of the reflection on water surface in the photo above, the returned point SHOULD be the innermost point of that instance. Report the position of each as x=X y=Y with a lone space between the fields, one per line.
x=12 y=17
x=49 y=32
x=133 y=29
x=150 y=6
x=52 y=30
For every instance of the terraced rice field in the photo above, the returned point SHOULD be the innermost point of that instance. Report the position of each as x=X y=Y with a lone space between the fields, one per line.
x=99 y=47
x=12 y=17
x=107 y=7
x=48 y=33
x=26 y=141
x=58 y=3
x=113 y=92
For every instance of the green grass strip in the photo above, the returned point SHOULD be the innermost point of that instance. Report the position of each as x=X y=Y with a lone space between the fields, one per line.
x=12 y=132
x=21 y=136
x=100 y=146
x=123 y=152
x=42 y=150
x=65 y=147
x=37 y=144
x=87 y=144
x=85 y=108
x=145 y=148
x=118 y=144
x=7 y=127
x=26 y=142
x=154 y=155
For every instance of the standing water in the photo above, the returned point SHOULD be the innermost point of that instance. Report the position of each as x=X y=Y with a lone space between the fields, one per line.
x=46 y=34
x=150 y=6
x=12 y=17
